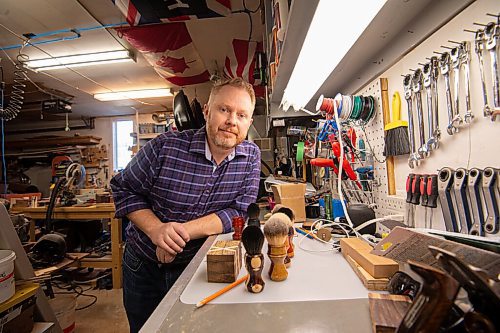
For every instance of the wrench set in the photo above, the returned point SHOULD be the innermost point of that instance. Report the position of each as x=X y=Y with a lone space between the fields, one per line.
x=454 y=68
x=470 y=200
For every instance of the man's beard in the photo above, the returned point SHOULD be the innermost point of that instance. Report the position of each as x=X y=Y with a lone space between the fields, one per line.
x=222 y=141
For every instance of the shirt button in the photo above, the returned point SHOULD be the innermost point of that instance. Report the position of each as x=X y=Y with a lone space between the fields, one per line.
x=207 y=191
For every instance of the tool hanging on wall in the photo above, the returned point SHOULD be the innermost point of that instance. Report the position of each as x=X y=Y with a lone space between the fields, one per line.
x=396 y=137
x=445 y=183
x=460 y=189
x=492 y=223
x=492 y=32
x=474 y=187
x=430 y=73
x=414 y=158
x=423 y=151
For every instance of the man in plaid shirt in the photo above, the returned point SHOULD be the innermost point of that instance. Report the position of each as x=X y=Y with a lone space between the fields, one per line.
x=180 y=188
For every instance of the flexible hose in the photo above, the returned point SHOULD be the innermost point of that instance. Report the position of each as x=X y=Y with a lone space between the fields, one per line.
x=17 y=95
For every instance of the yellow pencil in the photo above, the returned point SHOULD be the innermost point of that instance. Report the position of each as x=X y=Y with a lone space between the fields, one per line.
x=220 y=292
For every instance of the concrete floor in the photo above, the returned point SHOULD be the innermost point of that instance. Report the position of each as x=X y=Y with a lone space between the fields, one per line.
x=106 y=315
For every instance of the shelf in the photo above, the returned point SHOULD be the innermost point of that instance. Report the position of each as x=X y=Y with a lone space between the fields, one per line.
x=22 y=293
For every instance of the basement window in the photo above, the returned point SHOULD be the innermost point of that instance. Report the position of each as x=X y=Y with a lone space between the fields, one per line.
x=122 y=141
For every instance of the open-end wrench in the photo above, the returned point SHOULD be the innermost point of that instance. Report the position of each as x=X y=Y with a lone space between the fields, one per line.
x=465 y=61
x=428 y=72
x=434 y=78
x=456 y=57
x=445 y=183
x=474 y=184
x=460 y=188
x=479 y=48
x=491 y=226
x=413 y=159
x=492 y=31
x=444 y=66
x=423 y=151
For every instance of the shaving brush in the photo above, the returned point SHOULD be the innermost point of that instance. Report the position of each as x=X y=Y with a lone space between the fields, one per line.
x=276 y=232
x=253 y=212
x=253 y=240
x=291 y=230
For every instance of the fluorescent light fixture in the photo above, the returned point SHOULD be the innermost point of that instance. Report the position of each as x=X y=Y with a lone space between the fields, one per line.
x=335 y=27
x=90 y=59
x=133 y=94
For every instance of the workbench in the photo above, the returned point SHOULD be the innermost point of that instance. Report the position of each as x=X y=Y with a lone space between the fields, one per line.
x=308 y=314
x=94 y=212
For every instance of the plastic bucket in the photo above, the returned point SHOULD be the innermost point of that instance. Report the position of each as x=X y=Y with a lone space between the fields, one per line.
x=7 y=285
x=64 y=309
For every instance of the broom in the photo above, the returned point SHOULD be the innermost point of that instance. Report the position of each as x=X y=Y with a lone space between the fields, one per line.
x=396 y=138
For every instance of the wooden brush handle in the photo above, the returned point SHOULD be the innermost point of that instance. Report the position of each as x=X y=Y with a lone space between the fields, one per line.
x=254 y=265
x=291 y=248
x=277 y=271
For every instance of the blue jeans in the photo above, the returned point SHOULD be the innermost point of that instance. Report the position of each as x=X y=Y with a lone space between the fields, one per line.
x=144 y=286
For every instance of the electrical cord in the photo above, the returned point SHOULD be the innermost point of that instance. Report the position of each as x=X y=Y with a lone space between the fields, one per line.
x=78 y=290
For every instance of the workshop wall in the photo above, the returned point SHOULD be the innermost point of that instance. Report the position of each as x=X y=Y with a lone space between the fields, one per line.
x=472 y=146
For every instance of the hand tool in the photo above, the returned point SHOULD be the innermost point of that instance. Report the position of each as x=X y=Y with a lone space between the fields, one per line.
x=491 y=226
x=345 y=164
x=460 y=188
x=432 y=194
x=433 y=302
x=434 y=77
x=483 y=298
x=456 y=57
x=479 y=48
x=351 y=134
x=333 y=163
x=423 y=151
x=492 y=31
x=413 y=159
x=396 y=131
x=429 y=82
x=424 y=196
x=415 y=190
x=474 y=185
x=444 y=66
x=410 y=212
x=445 y=183
x=465 y=61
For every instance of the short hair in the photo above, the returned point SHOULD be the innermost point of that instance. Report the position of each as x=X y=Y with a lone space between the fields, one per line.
x=236 y=82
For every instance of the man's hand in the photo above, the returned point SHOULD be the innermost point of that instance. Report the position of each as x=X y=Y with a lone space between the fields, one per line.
x=163 y=256
x=170 y=237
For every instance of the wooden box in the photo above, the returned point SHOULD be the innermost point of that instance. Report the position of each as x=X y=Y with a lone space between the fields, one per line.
x=224 y=261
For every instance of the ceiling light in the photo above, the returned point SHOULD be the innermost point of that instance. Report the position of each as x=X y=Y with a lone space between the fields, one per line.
x=133 y=94
x=335 y=27
x=80 y=60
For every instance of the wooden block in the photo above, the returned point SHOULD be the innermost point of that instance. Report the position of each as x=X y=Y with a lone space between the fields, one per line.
x=376 y=266
x=368 y=281
x=224 y=261
x=387 y=311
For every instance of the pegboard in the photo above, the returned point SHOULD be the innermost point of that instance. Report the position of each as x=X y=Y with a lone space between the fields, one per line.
x=473 y=146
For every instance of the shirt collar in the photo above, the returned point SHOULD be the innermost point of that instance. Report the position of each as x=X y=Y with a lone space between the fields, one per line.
x=199 y=145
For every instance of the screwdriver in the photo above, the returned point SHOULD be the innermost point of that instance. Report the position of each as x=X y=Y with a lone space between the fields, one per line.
x=415 y=190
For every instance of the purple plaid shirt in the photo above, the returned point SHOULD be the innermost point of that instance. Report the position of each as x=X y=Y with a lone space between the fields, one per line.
x=171 y=176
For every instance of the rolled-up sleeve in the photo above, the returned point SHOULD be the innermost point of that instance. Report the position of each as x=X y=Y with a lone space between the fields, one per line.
x=132 y=186
x=247 y=194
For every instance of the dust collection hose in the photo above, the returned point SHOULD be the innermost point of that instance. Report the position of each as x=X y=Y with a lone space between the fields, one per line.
x=17 y=95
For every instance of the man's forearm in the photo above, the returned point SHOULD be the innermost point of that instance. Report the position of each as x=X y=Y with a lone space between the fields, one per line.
x=145 y=219
x=204 y=226
x=201 y=227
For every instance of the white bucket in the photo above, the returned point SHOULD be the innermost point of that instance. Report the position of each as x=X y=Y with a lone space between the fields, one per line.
x=64 y=309
x=7 y=285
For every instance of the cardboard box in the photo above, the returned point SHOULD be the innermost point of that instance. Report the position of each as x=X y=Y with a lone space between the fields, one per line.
x=224 y=261
x=291 y=196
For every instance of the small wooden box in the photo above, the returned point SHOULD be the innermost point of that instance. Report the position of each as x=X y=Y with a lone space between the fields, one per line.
x=224 y=261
